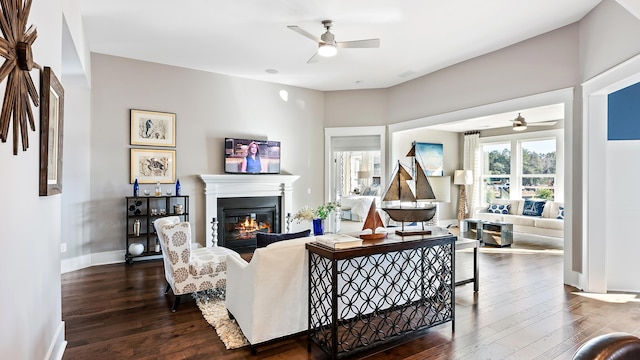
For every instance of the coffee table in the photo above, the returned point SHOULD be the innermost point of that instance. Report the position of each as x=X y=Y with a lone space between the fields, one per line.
x=497 y=233
x=493 y=233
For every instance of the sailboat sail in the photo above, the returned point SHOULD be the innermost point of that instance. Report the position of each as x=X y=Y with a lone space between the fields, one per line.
x=424 y=191
x=399 y=187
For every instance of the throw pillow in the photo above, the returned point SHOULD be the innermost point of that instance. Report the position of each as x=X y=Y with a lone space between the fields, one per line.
x=264 y=239
x=499 y=208
x=560 y=213
x=533 y=207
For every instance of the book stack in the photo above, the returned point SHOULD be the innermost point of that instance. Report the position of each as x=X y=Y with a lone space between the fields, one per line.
x=338 y=241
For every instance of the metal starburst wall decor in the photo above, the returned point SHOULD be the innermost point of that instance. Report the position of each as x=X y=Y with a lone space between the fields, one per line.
x=15 y=48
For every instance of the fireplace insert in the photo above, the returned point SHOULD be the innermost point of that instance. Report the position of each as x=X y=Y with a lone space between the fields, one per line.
x=241 y=218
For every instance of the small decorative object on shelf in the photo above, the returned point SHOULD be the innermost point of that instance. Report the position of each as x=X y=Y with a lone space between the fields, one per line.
x=158 y=189
x=136 y=227
x=146 y=192
x=157 y=245
x=178 y=209
x=136 y=188
x=136 y=249
x=178 y=189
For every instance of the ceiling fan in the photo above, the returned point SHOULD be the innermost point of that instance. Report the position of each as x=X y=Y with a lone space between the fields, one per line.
x=520 y=124
x=328 y=46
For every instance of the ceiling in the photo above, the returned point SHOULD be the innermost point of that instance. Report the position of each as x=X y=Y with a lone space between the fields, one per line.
x=539 y=115
x=250 y=38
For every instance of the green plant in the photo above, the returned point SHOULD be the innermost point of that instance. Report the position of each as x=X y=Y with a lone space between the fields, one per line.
x=321 y=212
x=546 y=194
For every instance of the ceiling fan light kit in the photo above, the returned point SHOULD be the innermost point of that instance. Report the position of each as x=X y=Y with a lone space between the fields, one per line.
x=327 y=50
x=517 y=127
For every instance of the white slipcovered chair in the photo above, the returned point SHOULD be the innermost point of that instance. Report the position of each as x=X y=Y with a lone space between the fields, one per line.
x=268 y=296
x=189 y=270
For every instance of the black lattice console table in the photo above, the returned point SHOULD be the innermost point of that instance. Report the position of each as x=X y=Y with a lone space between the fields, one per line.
x=367 y=296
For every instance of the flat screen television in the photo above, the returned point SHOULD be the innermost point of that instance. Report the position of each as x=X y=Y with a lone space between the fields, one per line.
x=250 y=156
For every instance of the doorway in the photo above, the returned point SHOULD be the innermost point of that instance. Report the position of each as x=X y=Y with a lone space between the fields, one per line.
x=354 y=168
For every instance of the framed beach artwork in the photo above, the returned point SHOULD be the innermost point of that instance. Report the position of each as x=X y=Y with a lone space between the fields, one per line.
x=431 y=158
x=51 y=125
x=150 y=166
x=153 y=128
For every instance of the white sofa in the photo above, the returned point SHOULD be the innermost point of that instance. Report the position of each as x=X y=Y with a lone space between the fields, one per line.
x=547 y=225
x=268 y=296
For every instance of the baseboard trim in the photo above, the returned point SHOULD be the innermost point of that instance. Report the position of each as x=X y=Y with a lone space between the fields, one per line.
x=85 y=261
x=58 y=344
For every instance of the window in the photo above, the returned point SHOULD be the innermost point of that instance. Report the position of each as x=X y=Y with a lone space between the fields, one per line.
x=538 y=169
x=496 y=171
x=519 y=168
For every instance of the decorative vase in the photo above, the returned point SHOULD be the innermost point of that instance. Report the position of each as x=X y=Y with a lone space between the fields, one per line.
x=318 y=227
x=136 y=249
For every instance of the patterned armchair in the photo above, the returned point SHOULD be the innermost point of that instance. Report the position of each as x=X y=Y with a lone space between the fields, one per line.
x=189 y=270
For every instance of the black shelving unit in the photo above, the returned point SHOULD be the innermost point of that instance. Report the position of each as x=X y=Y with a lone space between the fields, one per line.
x=147 y=209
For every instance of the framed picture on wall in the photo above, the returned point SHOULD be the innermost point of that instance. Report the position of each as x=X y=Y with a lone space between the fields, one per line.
x=51 y=125
x=431 y=158
x=153 y=128
x=150 y=166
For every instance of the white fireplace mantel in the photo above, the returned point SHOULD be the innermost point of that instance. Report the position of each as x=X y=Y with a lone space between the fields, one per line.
x=249 y=185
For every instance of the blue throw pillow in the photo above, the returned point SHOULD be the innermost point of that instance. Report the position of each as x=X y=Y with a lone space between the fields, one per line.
x=533 y=208
x=264 y=239
x=499 y=208
x=560 y=213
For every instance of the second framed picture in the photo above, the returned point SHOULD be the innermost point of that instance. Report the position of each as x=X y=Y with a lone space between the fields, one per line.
x=153 y=128
x=150 y=166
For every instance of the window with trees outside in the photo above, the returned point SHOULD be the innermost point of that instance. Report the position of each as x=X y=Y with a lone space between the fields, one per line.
x=530 y=174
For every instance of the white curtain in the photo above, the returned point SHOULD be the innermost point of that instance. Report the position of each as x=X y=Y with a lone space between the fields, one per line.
x=471 y=161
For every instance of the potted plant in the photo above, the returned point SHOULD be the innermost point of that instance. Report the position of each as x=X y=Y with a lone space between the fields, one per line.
x=317 y=215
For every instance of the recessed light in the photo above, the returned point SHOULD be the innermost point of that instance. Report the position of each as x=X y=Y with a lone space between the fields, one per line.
x=271 y=71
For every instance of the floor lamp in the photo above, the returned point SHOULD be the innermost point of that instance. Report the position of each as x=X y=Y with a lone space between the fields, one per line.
x=462 y=178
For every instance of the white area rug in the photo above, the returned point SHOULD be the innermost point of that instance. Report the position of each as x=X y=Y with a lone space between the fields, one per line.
x=211 y=304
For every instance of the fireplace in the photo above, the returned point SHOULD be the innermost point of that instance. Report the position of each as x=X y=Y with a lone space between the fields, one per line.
x=218 y=186
x=241 y=218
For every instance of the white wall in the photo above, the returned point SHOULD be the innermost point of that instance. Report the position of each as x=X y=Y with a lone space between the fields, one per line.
x=31 y=325
x=608 y=36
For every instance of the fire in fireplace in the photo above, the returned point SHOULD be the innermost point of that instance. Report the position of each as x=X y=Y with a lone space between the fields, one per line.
x=240 y=218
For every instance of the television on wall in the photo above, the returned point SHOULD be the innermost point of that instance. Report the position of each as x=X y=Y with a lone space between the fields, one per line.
x=251 y=156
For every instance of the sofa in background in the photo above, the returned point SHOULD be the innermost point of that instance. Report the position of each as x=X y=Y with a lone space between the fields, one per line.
x=511 y=211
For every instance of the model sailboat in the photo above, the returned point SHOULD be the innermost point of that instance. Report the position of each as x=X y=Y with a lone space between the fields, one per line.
x=373 y=222
x=400 y=190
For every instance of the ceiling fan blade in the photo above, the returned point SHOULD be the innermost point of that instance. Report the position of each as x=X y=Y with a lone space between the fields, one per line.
x=368 y=43
x=545 y=123
x=313 y=59
x=304 y=33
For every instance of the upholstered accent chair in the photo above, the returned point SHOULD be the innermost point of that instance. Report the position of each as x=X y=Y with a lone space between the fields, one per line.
x=189 y=270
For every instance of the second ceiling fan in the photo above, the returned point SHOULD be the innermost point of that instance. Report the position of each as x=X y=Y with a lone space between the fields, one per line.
x=328 y=46
x=520 y=124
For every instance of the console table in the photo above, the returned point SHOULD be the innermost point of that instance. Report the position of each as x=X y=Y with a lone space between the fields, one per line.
x=386 y=289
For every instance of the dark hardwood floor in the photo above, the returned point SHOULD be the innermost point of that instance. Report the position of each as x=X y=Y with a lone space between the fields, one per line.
x=523 y=311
